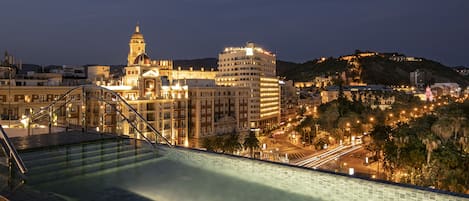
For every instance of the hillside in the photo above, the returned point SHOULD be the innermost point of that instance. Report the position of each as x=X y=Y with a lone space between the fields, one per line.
x=378 y=70
x=372 y=70
x=308 y=70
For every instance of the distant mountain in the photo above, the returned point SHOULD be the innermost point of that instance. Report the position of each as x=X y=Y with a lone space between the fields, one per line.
x=382 y=68
x=383 y=71
x=308 y=70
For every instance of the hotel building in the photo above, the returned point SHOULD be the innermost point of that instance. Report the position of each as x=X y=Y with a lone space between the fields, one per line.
x=217 y=110
x=255 y=68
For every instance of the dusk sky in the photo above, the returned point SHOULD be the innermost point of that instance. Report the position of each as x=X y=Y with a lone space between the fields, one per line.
x=98 y=32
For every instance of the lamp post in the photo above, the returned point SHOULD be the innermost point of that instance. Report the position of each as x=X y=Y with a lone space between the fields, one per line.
x=348 y=132
x=10 y=69
x=9 y=97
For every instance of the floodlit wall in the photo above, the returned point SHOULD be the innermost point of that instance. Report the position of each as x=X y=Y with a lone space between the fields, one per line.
x=315 y=184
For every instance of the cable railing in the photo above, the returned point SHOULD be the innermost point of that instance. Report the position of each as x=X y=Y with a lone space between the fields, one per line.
x=38 y=114
x=12 y=154
x=132 y=124
x=115 y=98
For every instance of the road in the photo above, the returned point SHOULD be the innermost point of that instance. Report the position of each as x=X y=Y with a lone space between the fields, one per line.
x=321 y=158
x=337 y=158
x=281 y=146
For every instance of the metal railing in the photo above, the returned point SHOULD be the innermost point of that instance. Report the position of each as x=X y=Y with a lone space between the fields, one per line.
x=11 y=152
x=45 y=110
x=49 y=108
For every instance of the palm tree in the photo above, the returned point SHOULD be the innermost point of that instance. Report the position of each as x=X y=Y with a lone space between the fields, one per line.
x=464 y=144
x=444 y=128
x=251 y=142
x=218 y=144
x=379 y=136
x=232 y=144
x=400 y=141
x=431 y=143
x=207 y=143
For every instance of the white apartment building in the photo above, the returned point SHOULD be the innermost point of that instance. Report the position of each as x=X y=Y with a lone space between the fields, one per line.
x=253 y=67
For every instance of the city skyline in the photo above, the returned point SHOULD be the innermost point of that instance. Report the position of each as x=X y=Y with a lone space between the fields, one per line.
x=85 y=33
x=194 y=100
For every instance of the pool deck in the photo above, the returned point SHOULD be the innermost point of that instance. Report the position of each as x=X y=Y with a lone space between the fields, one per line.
x=56 y=139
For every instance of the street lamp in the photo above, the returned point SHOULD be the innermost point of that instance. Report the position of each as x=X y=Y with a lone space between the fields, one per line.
x=10 y=69
x=9 y=96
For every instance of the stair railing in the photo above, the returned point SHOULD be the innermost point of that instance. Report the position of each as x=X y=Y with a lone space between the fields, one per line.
x=12 y=154
x=47 y=110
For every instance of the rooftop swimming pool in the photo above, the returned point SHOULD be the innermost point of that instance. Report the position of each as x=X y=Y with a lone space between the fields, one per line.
x=165 y=179
x=98 y=172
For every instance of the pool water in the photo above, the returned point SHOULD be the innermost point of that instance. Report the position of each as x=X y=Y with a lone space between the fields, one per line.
x=163 y=179
x=121 y=171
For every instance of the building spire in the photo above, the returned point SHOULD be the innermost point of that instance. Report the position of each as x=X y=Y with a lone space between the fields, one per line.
x=137 y=28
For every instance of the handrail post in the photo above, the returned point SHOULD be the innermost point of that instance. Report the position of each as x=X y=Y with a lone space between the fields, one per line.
x=102 y=112
x=83 y=110
x=10 y=169
x=10 y=162
x=66 y=116
x=50 y=120
x=29 y=126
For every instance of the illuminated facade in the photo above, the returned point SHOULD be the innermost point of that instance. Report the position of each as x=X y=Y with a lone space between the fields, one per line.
x=98 y=73
x=255 y=68
x=26 y=99
x=148 y=86
x=376 y=96
x=217 y=110
x=288 y=101
x=180 y=74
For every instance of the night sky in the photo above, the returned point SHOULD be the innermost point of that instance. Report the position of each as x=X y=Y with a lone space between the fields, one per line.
x=98 y=31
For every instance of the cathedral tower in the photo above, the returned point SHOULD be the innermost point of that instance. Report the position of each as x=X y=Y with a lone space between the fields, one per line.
x=136 y=45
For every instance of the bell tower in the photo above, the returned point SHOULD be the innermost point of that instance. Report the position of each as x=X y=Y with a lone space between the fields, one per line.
x=136 y=45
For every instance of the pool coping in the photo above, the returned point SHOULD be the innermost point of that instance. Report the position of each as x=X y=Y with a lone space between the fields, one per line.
x=461 y=195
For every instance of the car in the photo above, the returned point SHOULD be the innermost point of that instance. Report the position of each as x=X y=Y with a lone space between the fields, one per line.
x=358 y=140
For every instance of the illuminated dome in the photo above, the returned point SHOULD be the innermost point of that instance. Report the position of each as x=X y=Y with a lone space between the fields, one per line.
x=137 y=34
x=142 y=59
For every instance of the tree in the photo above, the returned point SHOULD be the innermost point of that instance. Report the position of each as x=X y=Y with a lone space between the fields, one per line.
x=431 y=143
x=232 y=144
x=380 y=135
x=207 y=143
x=320 y=143
x=301 y=110
x=401 y=137
x=444 y=128
x=218 y=144
x=251 y=142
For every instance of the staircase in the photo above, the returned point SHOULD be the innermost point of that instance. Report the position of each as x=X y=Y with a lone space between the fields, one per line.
x=65 y=162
